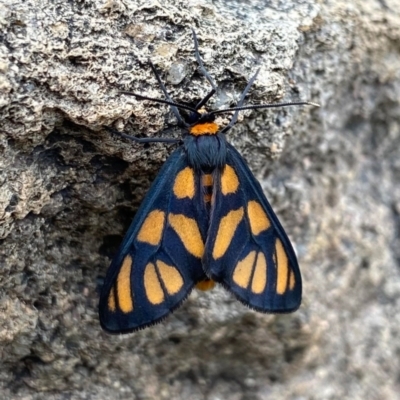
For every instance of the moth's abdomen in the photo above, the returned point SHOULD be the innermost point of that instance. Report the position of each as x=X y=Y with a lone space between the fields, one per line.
x=207 y=187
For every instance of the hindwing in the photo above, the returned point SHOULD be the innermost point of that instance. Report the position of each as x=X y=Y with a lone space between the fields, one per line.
x=159 y=260
x=247 y=250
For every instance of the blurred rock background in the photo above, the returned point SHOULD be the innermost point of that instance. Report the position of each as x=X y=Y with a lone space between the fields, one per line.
x=68 y=192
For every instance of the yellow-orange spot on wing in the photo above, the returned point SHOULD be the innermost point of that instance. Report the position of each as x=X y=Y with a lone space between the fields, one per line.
x=152 y=285
x=205 y=128
x=207 y=180
x=152 y=228
x=243 y=270
x=226 y=230
x=170 y=276
x=258 y=219
x=189 y=233
x=260 y=275
x=205 y=285
x=111 y=300
x=124 y=293
x=229 y=181
x=292 y=280
x=184 y=184
x=282 y=267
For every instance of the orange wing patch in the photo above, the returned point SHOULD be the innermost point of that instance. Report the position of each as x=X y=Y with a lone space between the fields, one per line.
x=189 y=233
x=251 y=270
x=260 y=275
x=229 y=181
x=184 y=184
x=243 y=270
x=258 y=219
x=152 y=285
x=226 y=230
x=124 y=293
x=282 y=267
x=159 y=278
x=152 y=228
x=170 y=276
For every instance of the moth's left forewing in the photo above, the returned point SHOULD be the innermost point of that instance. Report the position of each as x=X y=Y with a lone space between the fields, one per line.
x=247 y=250
x=159 y=260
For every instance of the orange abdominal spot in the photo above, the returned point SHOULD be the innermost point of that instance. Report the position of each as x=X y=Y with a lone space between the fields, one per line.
x=206 y=128
x=205 y=285
x=207 y=198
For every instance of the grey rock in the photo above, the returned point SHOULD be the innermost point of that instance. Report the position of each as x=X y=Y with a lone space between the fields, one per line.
x=69 y=191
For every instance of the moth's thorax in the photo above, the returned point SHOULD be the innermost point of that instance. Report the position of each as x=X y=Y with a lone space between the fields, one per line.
x=206 y=152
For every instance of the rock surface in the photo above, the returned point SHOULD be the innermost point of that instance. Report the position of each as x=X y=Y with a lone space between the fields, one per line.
x=69 y=191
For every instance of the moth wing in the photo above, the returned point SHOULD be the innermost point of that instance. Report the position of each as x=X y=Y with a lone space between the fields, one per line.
x=247 y=250
x=159 y=260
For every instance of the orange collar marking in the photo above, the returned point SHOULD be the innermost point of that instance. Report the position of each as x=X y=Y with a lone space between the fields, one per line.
x=206 y=128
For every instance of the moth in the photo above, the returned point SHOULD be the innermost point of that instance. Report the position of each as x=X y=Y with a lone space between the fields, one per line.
x=205 y=220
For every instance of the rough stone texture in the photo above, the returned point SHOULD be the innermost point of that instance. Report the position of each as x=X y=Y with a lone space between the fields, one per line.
x=69 y=191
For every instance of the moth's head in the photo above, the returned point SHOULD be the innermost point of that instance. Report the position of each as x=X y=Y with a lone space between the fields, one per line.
x=196 y=116
x=203 y=124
